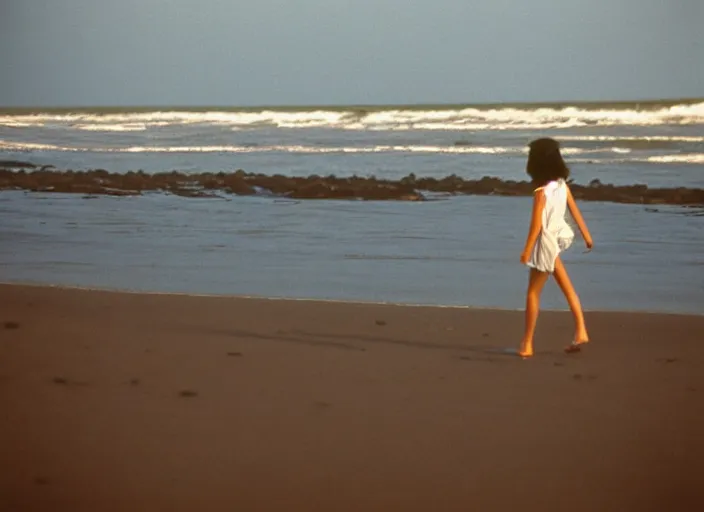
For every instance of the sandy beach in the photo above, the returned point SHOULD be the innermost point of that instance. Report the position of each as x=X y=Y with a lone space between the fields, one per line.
x=137 y=402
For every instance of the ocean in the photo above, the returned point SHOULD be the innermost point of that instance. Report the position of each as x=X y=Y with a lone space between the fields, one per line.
x=459 y=251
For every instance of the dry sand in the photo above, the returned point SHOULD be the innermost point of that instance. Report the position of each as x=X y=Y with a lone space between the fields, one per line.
x=129 y=402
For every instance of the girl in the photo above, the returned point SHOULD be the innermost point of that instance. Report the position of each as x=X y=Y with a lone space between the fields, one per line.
x=549 y=234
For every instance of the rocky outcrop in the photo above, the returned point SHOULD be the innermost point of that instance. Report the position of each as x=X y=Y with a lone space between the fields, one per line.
x=409 y=188
x=16 y=164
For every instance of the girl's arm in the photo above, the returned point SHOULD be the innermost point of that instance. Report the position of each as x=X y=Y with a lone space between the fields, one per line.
x=577 y=215
x=536 y=223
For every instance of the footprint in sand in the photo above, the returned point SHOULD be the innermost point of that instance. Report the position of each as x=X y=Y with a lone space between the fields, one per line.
x=322 y=406
x=381 y=322
x=483 y=359
x=579 y=376
x=40 y=480
x=11 y=325
x=234 y=354
x=188 y=393
x=63 y=381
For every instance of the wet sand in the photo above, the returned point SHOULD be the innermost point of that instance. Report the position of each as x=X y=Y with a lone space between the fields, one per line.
x=115 y=401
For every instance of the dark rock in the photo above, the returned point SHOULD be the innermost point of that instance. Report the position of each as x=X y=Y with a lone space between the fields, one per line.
x=236 y=184
x=206 y=184
x=315 y=190
x=16 y=164
x=409 y=180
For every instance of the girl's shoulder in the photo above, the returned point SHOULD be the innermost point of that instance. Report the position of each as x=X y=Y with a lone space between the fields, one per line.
x=550 y=185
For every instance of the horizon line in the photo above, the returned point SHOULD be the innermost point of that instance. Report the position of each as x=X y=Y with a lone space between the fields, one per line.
x=645 y=101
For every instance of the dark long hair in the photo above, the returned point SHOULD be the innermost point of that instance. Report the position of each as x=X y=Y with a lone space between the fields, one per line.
x=545 y=163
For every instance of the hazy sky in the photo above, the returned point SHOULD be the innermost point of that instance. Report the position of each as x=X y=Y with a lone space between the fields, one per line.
x=254 y=52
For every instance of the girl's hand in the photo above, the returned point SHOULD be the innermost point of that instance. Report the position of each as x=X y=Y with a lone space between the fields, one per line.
x=589 y=242
x=525 y=256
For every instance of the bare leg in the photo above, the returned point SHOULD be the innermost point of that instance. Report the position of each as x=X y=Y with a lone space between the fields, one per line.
x=563 y=280
x=535 y=287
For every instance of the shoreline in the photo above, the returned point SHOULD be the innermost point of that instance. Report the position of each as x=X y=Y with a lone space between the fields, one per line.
x=313 y=300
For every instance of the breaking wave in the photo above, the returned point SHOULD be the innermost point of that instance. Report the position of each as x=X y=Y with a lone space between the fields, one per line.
x=9 y=146
x=694 y=158
x=411 y=118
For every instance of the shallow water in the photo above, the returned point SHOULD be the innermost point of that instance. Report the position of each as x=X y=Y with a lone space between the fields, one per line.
x=460 y=251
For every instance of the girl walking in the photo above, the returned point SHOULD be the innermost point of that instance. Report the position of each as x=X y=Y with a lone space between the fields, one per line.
x=550 y=234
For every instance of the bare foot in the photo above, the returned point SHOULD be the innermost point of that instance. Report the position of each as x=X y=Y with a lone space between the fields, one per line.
x=575 y=346
x=581 y=336
x=526 y=350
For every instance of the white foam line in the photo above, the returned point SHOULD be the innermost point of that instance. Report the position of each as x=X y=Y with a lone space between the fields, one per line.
x=482 y=150
x=490 y=150
x=468 y=118
x=645 y=138
x=691 y=158
x=321 y=301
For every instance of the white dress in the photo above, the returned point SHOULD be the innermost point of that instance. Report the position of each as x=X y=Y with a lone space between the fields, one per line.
x=556 y=235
